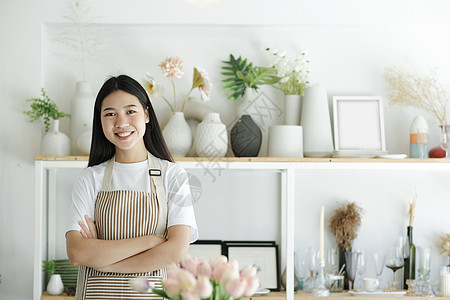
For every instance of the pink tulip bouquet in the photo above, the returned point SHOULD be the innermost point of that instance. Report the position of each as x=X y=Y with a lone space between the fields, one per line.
x=217 y=279
x=172 y=67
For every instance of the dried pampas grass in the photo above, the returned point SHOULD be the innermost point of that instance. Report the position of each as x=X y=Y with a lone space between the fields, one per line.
x=344 y=224
x=444 y=244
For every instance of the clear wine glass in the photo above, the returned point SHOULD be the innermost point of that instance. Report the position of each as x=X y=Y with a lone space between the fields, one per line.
x=394 y=260
x=351 y=266
x=445 y=139
x=361 y=268
x=378 y=264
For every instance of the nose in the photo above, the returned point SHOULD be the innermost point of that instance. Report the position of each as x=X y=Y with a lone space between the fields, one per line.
x=121 y=121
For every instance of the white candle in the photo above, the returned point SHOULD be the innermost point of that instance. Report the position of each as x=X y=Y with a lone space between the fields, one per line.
x=445 y=281
x=321 y=259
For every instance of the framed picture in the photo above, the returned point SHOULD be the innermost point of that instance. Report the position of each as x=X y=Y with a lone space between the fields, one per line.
x=206 y=249
x=262 y=255
x=359 y=124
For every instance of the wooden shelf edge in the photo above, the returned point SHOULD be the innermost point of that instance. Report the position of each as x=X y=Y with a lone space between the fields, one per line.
x=266 y=159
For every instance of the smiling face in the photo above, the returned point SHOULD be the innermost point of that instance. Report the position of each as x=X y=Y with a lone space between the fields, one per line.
x=124 y=123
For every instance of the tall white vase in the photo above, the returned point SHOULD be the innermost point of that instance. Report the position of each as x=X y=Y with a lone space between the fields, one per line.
x=315 y=120
x=178 y=135
x=292 y=109
x=81 y=114
x=211 y=137
x=55 y=285
x=55 y=142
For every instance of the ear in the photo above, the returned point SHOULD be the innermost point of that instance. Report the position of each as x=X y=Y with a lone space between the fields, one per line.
x=147 y=118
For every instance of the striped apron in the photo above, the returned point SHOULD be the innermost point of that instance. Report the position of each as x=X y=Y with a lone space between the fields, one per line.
x=121 y=215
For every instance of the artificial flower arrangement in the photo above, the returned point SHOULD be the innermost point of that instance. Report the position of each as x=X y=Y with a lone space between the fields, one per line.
x=172 y=67
x=217 y=279
x=241 y=75
x=293 y=74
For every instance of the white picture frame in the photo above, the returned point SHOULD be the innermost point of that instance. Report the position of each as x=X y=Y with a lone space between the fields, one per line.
x=206 y=250
x=359 y=124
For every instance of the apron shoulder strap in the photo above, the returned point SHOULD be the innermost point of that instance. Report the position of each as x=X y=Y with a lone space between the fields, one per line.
x=108 y=174
x=156 y=179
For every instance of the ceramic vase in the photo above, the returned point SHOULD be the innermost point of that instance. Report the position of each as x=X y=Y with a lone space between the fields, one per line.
x=285 y=141
x=178 y=135
x=315 y=120
x=418 y=138
x=55 y=285
x=81 y=113
x=246 y=106
x=84 y=142
x=245 y=137
x=55 y=142
x=292 y=109
x=211 y=138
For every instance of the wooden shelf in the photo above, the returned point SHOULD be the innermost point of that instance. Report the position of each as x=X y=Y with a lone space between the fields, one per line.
x=265 y=159
x=282 y=295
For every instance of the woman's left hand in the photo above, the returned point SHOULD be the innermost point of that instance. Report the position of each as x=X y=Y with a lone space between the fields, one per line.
x=88 y=231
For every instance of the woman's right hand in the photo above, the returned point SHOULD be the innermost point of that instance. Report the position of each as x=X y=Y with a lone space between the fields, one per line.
x=89 y=231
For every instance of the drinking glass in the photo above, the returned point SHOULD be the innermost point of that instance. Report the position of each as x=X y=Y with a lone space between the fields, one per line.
x=424 y=263
x=351 y=265
x=331 y=261
x=394 y=260
x=445 y=139
x=361 y=267
x=378 y=264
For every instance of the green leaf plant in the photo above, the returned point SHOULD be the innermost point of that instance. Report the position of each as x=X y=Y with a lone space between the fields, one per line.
x=45 y=108
x=49 y=266
x=241 y=74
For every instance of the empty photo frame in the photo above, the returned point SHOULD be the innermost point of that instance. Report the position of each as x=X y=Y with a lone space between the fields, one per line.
x=358 y=124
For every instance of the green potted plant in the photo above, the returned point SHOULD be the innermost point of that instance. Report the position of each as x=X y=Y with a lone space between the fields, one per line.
x=54 y=142
x=55 y=285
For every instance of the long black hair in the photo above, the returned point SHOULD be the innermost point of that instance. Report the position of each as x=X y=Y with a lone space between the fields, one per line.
x=101 y=148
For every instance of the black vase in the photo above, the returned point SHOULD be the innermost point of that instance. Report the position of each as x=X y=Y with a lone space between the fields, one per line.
x=245 y=137
x=341 y=254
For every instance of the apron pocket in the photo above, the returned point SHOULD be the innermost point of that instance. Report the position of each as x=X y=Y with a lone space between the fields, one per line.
x=117 y=287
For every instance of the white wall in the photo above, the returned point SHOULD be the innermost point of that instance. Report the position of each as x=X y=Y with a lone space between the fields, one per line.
x=350 y=43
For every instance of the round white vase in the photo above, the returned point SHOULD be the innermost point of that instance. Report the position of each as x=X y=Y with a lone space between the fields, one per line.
x=178 y=135
x=292 y=109
x=315 y=120
x=55 y=142
x=285 y=141
x=84 y=142
x=211 y=137
x=81 y=113
x=55 y=285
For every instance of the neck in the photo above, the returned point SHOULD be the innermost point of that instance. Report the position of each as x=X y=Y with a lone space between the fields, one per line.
x=137 y=154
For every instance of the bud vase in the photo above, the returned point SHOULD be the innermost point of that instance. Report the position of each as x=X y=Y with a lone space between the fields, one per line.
x=178 y=135
x=211 y=138
x=55 y=285
x=245 y=137
x=81 y=114
x=55 y=142
x=292 y=109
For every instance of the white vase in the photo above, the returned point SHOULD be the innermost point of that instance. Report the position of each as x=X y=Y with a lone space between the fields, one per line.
x=81 y=113
x=211 y=137
x=196 y=110
x=292 y=109
x=55 y=142
x=285 y=141
x=178 y=135
x=55 y=286
x=315 y=120
x=84 y=142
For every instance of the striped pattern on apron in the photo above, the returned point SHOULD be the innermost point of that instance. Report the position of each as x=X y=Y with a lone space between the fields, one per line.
x=122 y=215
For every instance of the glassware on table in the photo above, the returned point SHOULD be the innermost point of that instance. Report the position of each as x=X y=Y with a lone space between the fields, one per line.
x=378 y=264
x=394 y=260
x=351 y=266
x=424 y=264
x=361 y=268
x=313 y=266
x=445 y=139
x=302 y=268
x=331 y=261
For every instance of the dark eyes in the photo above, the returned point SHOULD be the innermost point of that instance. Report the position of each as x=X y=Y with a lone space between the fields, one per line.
x=129 y=112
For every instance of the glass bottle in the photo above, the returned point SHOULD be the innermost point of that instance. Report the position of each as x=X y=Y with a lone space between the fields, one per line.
x=410 y=261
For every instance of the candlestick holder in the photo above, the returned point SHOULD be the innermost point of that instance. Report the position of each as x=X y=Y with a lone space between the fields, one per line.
x=321 y=290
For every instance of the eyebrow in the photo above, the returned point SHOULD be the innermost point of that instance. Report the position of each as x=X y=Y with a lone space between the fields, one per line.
x=127 y=106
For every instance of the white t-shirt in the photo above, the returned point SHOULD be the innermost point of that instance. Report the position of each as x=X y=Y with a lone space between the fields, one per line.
x=135 y=177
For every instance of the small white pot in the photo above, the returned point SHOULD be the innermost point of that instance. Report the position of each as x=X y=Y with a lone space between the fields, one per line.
x=211 y=137
x=285 y=141
x=55 y=142
x=55 y=286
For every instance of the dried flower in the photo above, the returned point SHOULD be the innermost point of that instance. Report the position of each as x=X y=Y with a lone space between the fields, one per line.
x=294 y=74
x=344 y=224
x=423 y=92
x=444 y=244
x=412 y=210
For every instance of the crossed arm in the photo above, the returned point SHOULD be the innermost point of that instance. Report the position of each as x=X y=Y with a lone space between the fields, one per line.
x=134 y=255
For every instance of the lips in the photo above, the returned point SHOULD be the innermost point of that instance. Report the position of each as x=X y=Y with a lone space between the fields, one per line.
x=123 y=135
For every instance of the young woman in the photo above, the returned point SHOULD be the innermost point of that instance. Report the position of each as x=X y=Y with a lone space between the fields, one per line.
x=132 y=212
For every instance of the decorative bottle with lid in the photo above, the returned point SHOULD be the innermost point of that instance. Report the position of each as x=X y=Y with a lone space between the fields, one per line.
x=418 y=138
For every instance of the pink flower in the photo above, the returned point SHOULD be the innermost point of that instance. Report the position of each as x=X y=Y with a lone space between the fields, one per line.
x=204 y=287
x=252 y=286
x=205 y=85
x=172 y=271
x=230 y=273
x=173 y=287
x=191 y=295
x=218 y=270
x=187 y=280
x=236 y=287
x=171 y=67
x=190 y=263
x=140 y=284
x=219 y=259
x=204 y=268
x=248 y=271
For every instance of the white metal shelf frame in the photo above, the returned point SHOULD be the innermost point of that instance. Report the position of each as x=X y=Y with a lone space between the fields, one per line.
x=45 y=199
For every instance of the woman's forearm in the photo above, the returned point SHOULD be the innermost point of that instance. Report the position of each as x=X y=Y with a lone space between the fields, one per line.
x=97 y=253
x=172 y=251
